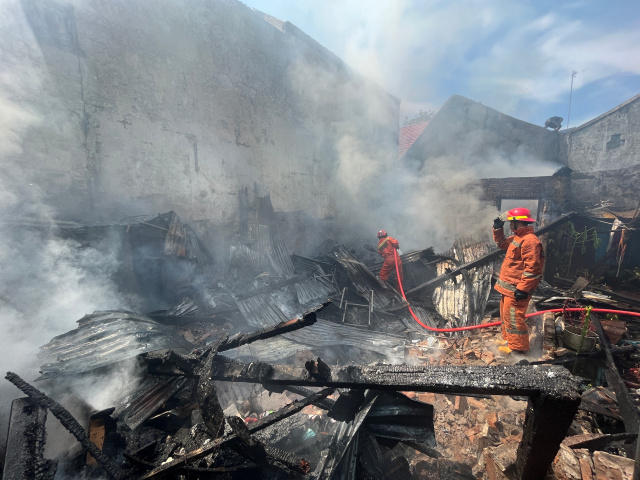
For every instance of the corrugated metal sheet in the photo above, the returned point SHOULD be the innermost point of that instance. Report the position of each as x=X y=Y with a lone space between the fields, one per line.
x=365 y=281
x=104 y=338
x=273 y=253
x=409 y=257
x=310 y=265
x=422 y=315
x=181 y=240
x=470 y=292
x=321 y=334
x=314 y=288
x=147 y=399
x=261 y=311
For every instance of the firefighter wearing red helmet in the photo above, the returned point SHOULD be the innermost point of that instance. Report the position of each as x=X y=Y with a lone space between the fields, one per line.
x=520 y=274
x=388 y=249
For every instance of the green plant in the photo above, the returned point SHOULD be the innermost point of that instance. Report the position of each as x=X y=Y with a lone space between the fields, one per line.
x=585 y=327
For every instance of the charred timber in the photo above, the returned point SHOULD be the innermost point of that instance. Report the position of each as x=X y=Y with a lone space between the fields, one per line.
x=484 y=259
x=272 y=458
x=628 y=410
x=68 y=422
x=285 y=412
x=189 y=364
x=624 y=349
x=25 y=443
x=501 y=380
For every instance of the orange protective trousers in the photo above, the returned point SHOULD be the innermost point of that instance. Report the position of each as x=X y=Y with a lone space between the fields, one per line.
x=389 y=267
x=514 y=328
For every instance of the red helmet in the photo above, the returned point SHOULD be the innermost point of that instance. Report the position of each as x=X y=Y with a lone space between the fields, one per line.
x=520 y=214
x=382 y=233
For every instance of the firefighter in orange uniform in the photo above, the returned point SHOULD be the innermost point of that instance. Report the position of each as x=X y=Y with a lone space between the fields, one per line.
x=388 y=249
x=519 y=276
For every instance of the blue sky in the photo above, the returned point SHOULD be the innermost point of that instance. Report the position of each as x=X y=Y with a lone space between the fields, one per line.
x=514 y=56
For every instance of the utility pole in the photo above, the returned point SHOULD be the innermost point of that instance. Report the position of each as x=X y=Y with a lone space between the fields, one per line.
x=573 y=74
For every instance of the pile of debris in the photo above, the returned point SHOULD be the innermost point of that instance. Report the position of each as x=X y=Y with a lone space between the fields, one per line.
x=288 y=365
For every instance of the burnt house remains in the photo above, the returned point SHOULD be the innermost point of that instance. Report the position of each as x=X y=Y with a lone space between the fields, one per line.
x=250 y=336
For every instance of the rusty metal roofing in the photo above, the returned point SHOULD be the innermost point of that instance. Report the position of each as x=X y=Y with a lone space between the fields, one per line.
x=103 y=338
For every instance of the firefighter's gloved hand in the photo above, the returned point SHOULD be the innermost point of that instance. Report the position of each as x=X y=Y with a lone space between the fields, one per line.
x=497 y=223
x=503 y=216
x=520 y=295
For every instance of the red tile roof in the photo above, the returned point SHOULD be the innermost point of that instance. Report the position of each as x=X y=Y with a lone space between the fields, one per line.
x=408 y=135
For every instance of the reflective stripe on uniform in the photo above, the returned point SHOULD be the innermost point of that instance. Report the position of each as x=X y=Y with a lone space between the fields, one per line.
x=514 y=326
x=530 y=275
x=381 y=245
x=517 y=244
x=517 y=332
x=508 y=286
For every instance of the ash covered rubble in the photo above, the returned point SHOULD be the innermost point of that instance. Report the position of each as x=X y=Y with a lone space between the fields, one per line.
x=288 y=366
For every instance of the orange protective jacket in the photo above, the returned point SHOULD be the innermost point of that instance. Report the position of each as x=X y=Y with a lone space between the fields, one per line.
x=522 y=265
x=386 y=246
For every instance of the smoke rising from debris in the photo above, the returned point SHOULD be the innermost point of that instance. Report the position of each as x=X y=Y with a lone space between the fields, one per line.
x=47 y=282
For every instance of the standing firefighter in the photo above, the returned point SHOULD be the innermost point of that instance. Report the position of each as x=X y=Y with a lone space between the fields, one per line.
x=388 y=249
x=519 y=276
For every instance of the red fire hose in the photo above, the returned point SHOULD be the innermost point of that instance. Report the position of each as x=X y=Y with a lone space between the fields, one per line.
x=495 y=324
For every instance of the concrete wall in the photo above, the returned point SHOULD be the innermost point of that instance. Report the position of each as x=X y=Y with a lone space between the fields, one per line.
x=617 y=189
x=146 y=106
x=611 y=141
x=471 y=133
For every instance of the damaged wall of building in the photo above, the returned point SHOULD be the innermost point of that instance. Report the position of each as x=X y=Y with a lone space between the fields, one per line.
x=610 y=141
x=476 y=135
x=141 y=107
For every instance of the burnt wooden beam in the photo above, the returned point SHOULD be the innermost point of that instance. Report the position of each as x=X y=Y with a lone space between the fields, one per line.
x=499 y=380
x=68 y=422
x=308 y=318
x=271 y=458
x=285 y=412
x=210 y=407
x=595 y=354
x=628 y=410
x=549 y=415
x=554 y=393
x=25 y=443
x=434 y=282
x=189 y=364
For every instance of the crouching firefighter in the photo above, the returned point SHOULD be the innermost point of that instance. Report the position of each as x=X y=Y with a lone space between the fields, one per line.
x=519 y=276
x=388 y=249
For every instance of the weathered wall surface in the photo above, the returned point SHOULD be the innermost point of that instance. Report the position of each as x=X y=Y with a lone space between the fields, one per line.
x=611 y=141
x=139 y=107
x=472 y=133
x=617 y=189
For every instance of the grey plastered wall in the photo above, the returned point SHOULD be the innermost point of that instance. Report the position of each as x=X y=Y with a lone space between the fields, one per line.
x=610 y=141
x=472 y=132
x=145 y=106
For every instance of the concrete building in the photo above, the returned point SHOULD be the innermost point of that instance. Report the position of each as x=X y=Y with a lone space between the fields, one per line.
x=608 y=142
x=470 y=133
x=138 y=107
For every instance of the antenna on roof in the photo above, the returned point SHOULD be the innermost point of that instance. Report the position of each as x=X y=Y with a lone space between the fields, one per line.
x=573 y=74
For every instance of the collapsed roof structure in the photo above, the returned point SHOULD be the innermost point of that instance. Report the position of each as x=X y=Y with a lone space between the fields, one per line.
x=262 y=347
